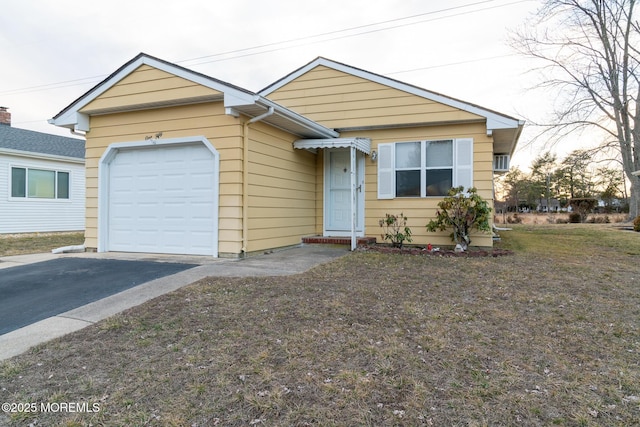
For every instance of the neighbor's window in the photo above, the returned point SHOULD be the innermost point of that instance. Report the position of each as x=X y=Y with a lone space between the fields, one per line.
x=39 y=183
x=423 y=167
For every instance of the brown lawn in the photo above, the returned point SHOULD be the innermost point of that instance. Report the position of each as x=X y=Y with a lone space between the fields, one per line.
x=547 y=336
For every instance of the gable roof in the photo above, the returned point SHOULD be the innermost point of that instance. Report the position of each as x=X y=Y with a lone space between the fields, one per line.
x=22 y=141
x=236 y=101
x=505 y=129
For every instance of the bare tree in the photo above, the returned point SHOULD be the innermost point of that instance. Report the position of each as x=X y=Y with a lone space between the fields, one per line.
x=590 y=51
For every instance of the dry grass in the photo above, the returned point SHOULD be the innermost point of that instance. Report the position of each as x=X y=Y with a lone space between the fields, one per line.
x=557 y=218
x=548 y=336
x=31 y=243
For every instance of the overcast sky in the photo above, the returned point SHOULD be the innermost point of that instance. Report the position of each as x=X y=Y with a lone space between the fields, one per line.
x=53 y=52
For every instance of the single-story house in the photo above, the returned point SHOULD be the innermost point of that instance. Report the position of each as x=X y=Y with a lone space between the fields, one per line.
x=42 y=184
x=180 y=162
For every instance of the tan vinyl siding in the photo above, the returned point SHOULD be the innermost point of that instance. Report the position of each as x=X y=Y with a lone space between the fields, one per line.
x=282 y=190
x=421 y=210
x=339 y=100
x=285 y=185
x=206 y=119
x=148 y=86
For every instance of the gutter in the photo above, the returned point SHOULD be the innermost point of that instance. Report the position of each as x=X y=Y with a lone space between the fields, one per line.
x=245 y=175
x=298 y=119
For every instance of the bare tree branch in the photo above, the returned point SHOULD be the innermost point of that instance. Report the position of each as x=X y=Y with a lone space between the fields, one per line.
x=590 y=56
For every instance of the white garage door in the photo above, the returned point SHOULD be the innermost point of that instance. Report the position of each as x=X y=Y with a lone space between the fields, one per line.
x=161 y=200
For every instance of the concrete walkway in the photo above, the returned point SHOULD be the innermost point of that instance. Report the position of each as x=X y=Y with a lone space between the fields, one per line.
x=279 y=263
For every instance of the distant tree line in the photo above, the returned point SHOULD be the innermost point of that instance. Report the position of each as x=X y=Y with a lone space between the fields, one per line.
x=553 y=183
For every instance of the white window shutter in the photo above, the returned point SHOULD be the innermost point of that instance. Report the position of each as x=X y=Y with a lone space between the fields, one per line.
x=386 y=172
x=463 y=163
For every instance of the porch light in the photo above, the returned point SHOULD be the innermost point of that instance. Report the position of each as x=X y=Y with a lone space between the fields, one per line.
x=374 y=155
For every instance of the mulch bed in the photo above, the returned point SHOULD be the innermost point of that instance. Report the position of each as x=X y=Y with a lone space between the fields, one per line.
x=417 y=250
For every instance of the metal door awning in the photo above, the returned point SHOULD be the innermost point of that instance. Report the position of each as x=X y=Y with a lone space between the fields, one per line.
x=360 y=144
x=353 y=144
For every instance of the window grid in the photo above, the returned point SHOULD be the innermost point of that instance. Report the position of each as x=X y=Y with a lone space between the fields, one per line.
x=423 y=170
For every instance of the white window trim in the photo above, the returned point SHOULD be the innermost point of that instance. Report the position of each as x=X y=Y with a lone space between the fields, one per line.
x=462 y=170
x=26 y=197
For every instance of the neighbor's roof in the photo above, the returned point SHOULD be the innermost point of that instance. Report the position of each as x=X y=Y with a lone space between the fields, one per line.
x=22 y=140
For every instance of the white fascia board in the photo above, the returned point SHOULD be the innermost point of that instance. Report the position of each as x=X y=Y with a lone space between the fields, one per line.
x=71 y=118
x=82 y=123
x=494 y=120
x=40 y=156
x=239 y=99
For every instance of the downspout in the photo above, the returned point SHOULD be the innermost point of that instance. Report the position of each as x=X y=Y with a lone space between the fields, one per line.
x=352 y=155
x=245 y=176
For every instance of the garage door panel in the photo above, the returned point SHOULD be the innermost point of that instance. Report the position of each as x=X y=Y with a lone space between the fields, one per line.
x=162 y=200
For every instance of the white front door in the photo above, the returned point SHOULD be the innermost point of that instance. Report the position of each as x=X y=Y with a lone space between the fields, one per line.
x=337 y=206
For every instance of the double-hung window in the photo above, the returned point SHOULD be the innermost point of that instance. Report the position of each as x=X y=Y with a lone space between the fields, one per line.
x=39 y=183
x=424 y=168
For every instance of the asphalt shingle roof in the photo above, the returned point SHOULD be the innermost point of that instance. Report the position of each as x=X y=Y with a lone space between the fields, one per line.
x=38 y=142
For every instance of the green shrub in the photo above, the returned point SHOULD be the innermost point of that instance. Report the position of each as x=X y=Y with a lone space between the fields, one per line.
x=636 y=224
x=462 y=211
x=575 y=218
x=395 y=230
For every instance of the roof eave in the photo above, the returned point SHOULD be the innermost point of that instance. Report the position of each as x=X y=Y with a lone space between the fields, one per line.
x=235 y=99
x=495 y=120
x=43 y=156
x=282 y=117
x=71 y=117
x=505 y=139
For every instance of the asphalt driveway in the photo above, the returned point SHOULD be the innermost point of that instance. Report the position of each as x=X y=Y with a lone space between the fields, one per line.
x=34 y=292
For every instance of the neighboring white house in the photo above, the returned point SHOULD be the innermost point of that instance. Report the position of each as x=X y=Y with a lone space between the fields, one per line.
x=42 y=180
